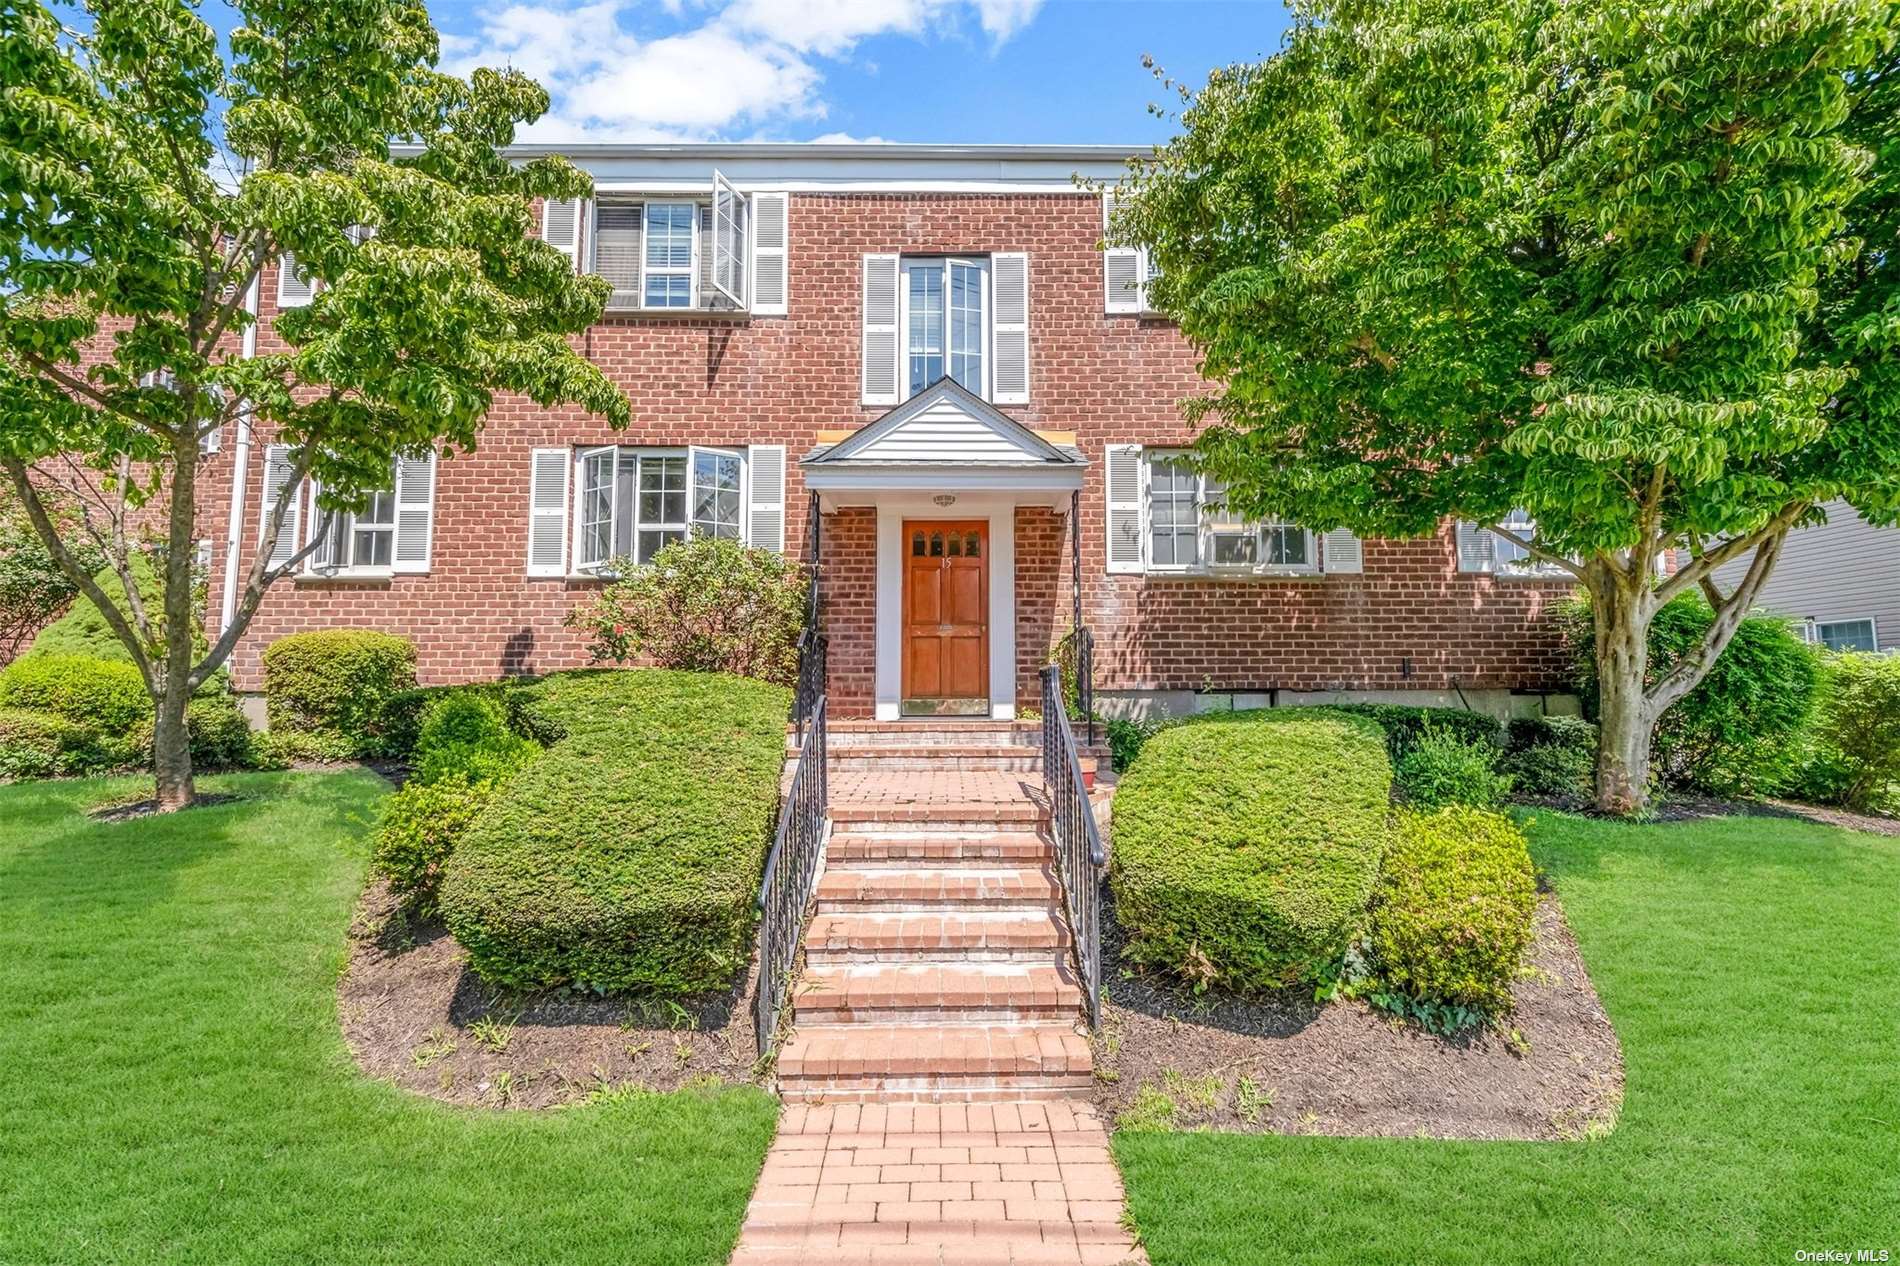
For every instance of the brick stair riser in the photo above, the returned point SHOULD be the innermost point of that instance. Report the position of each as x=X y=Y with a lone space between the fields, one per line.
x=918 y=850
x=949 y=1088
x=900 y=819
x=1026 y=762
x=940 y=1013
x=898 y=955
x=971 y=905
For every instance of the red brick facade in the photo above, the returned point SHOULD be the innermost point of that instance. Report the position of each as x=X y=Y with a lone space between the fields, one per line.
x=1409 y=622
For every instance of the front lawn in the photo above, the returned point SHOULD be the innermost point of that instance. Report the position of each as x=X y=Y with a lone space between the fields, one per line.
x=1752 y=969
x=177 y=1089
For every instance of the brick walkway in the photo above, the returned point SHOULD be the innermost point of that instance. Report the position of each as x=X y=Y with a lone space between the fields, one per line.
x=938 y=1185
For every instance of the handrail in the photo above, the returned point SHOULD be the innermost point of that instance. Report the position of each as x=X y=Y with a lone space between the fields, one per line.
x=1080 y=855
x=791 y=872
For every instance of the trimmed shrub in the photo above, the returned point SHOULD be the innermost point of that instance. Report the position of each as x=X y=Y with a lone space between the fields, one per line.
x=1739 y=731
x=1443 y=768
x=83 y=629
x=33 y=589
x=1246 y=844
x=405 y=711
x=1551 y=756
x=1127 y=736
x=108 y=695
x=466 y=736
x=1455 y=906
x=220 y=735
x=1404 y=725
x=1855 y=758
x=705 y=605
x=419 y=829
x=334 y=684
x=36 y=744
x=628 y=855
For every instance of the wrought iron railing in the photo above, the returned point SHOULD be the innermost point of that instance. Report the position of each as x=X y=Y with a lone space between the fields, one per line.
x=791 y=870
x=810 y=690
x=1079 y=852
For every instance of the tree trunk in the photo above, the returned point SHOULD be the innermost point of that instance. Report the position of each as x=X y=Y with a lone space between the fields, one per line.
x=171 y=754
x=1622 y=615
x=171 y=743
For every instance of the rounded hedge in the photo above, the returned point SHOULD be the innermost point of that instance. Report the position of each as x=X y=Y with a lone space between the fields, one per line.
x=1455 y=907
x=108 y=695
x=628 y=855
x=36 y=744
x=421 y=825
x=1246 y=844
x=336 y=683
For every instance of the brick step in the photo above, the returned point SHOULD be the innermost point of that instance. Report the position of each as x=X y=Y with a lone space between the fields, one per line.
x=863 y=848
x=883 y=993
x=975 y=817
x=995 y=758
x=903 y=936
x=934 y=1062
x=846 y=889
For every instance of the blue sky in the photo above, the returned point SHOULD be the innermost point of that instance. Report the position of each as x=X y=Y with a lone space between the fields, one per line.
x=895 y=70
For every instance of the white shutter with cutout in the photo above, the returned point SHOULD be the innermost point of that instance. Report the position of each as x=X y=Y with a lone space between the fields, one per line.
x=1123 y=463
x=1477 y=548
x=547 y=512
x=765 y=525
x=771 y=215
x=294 y=289
x=880 y=329
x=415 y=513
x=1341 y=553
x=277 y=473
x=561 y=223
x=1009 y=282
x=1122 y=269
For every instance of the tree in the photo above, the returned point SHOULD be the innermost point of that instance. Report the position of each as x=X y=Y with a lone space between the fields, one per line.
x=1596 y=260
x=147 y=179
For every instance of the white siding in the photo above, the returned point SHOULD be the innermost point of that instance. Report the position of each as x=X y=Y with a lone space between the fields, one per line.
x=943 y=433
x=1845 y=570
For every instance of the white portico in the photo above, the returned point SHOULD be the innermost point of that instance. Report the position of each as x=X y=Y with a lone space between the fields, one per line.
x=945 y=472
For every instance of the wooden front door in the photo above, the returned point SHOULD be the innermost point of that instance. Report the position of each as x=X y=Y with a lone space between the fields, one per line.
x=946 y=618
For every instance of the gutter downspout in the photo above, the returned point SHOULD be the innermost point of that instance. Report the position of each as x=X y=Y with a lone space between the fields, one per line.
x=234 y=531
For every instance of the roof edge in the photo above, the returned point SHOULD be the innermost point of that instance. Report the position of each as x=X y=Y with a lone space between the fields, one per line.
x=826 y=149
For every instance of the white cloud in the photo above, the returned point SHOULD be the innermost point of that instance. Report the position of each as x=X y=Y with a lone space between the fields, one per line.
x=845 y=138
x=748 y=65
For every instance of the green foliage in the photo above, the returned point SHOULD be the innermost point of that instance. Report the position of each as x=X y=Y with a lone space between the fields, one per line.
x=35 y=744
x=1551 y=756
x=1593 y=261
x=1405 y=725
x=1739 y=731
x=467 y=736
x=1127 y=736
x=107 y=695
x=333 y=684
x=1246 y=844
x=1453 y=918
x=405 y=711
x=419 y=829
x=1444 y=769
x=220 y=736
x=33 y=590
x=705 y=605
x=1856 y=758
x=628 y=855
x=83 y=629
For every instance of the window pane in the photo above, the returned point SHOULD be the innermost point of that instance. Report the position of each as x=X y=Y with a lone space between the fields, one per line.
x=597 y=528
x=669 y=239
x=652 y=541
x=1286 y=546
x=966 y=325
x=371 y=547
x=1232 y=548
x=663 y=491
x=1173 y=513
x=925 y=330
x=625 y=473
x=381 y=508
x=1847 y=635
x=716 y=495
x=669 y=290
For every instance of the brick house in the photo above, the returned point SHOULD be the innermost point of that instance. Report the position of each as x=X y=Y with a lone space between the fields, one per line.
x=926 y=346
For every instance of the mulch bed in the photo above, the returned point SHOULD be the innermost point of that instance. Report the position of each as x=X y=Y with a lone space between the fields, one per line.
x=415 y=1015
x=1347 y=1069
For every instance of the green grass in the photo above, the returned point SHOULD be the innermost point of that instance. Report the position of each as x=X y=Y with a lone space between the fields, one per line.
x=1752 y=970
x=175 y=1088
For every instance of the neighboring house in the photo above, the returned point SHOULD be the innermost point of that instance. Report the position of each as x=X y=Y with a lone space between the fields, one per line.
x=1839 y=582
x=927 y=345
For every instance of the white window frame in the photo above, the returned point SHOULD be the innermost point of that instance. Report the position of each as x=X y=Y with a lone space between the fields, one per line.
x=344 y=527
x=647 y=270
x=693 y=455
x=906 y=264
x=1514 y=559
x=629 y=550
x=1208 y=495
x=1812 y=630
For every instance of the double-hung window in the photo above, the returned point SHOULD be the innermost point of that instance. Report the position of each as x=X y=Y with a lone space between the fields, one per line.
x=944 y=317
x=1192 y=528
x=672 y=253
x=1174 y=508
x=631 y=503
x=363 y=541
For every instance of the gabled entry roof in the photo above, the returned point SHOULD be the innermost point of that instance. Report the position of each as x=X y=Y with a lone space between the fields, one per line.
x=944 y=424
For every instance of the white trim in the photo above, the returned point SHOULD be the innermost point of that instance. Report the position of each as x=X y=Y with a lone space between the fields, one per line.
x=240 y=460
x=888 y=672
x=940 y=476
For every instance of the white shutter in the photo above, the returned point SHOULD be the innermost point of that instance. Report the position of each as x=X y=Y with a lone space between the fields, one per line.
x=277 y=472
x=547 y=512
x=415 y=513
x=765 y=469
x=1122 y=269
x=880 y=329
x=1477 y=548
x=561 y=225
x=1124 y=507
x=294 y=289
x=770 y=226
x=1009 y=282
x=1342 y=553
